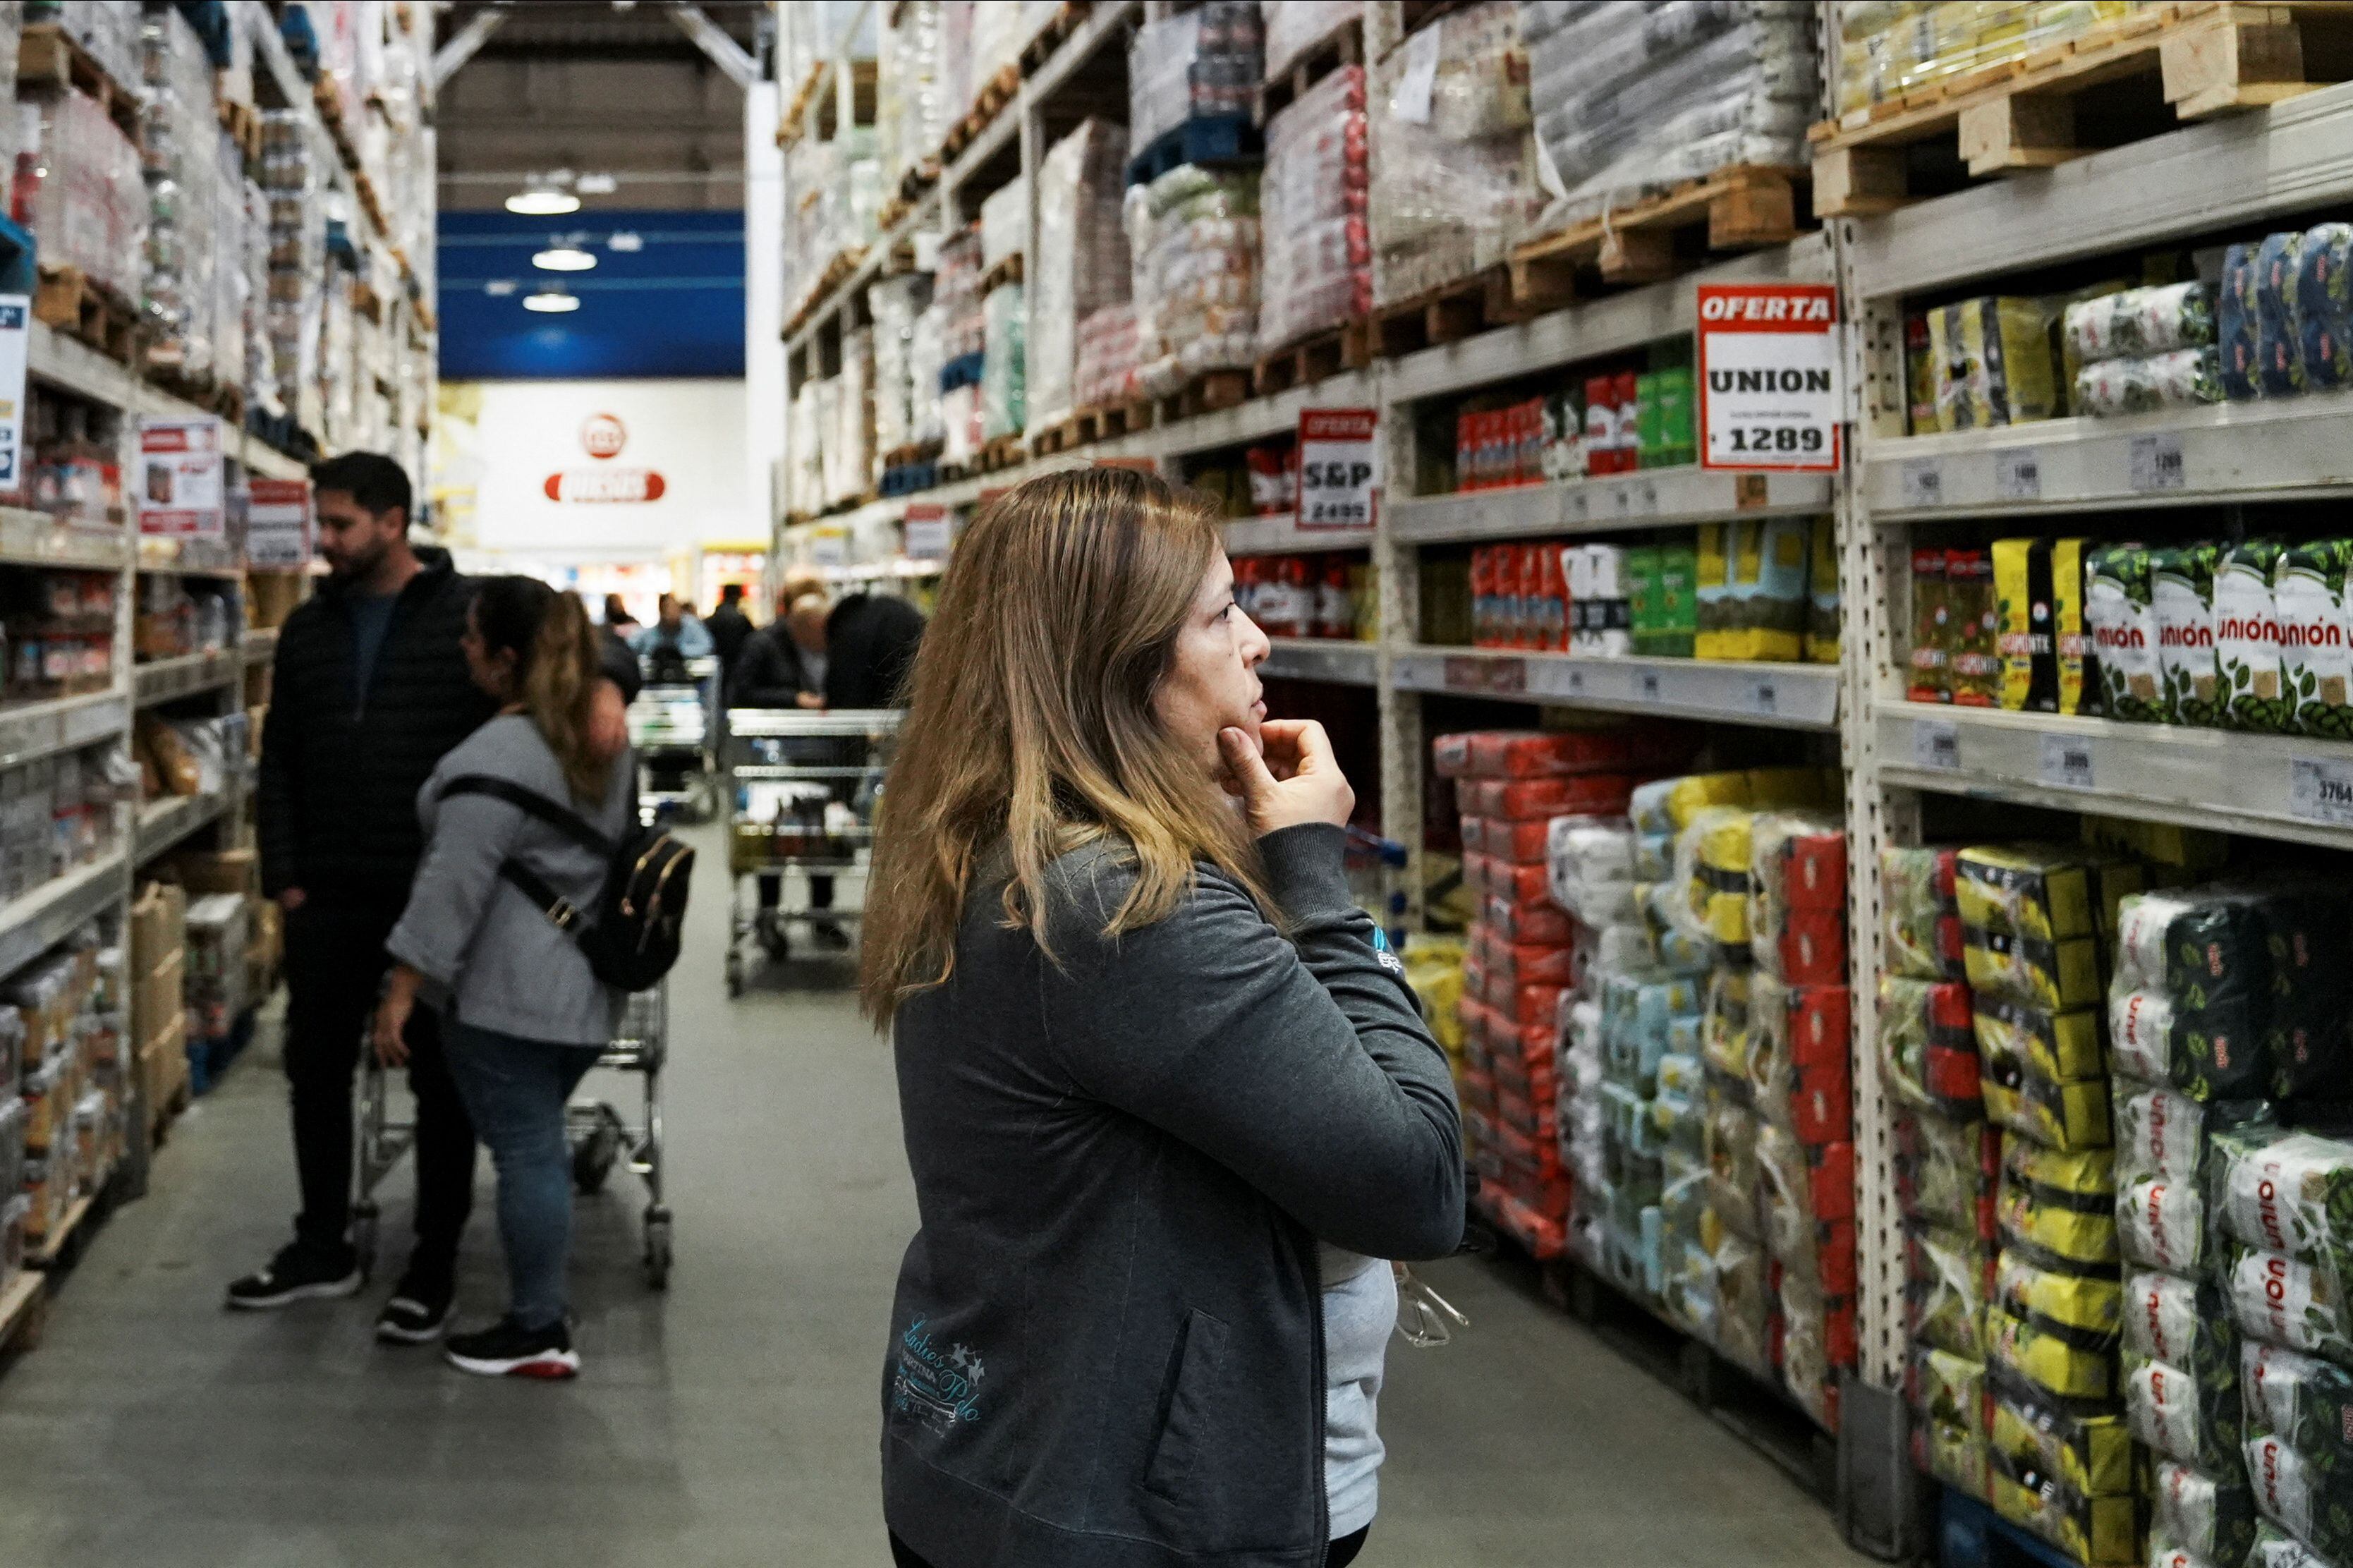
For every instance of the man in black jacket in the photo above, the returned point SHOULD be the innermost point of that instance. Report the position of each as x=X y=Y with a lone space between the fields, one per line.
x=729 y=628
x=368 y=691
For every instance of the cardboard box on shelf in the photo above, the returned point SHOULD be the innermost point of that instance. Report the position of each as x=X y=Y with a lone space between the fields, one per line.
x=206 y=872
x=159 y=921
x=164 y=1069
x=159 y=996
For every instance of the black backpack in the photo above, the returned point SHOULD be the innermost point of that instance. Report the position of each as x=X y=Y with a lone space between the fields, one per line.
x=631 y=938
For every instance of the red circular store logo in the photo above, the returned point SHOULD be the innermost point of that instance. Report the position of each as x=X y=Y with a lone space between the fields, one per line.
x=602 y=435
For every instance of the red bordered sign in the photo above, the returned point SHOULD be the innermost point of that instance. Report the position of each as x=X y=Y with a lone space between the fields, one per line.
x=1769 y=374
x=1339 y=467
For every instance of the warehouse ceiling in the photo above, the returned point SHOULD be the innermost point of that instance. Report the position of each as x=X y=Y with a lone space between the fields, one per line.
x=597 y=88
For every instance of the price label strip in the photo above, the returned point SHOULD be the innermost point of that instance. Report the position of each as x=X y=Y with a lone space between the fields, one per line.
x=2154 y=463
x=1923 y=482
x=2320 y=790
x=1937 y=746
x=2067 y=762
x=1770 y=381
x=2018 y=474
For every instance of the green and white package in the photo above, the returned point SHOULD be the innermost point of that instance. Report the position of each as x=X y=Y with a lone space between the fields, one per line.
x=2247 y=636
x=2302 y=1493
x=2161 y=1224
x=2210 y=1518
x=2181 y=592
x=2191 y=1002
x=2172 y=1411
x=2302 y=1398
x=2285 y=1302
x=2163 y=1133
x=2316 y=657
x=2288 y=1192
x=2276 y=1548
x=2119 y=617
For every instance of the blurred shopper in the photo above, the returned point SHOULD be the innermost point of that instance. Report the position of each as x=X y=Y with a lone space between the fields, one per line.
x=503 y=817
x=674 y=638
x=1164 y=1091
x=729 y=628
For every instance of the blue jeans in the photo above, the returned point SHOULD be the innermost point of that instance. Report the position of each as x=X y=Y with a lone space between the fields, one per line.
x=515 y=1090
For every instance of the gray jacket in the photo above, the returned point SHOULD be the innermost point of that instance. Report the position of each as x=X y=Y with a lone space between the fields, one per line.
x=478 y=940
x=1107 y=1346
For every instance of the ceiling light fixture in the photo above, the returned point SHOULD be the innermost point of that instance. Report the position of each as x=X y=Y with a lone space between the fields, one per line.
x=564 y=258
x=552 y=299
x=545 y=197
x=498 y=288
x=596 y=185
x=626 y=240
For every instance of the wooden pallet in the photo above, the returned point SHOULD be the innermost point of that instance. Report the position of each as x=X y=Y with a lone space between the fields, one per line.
x=243 y=123
x=999 y=452
x=1342 y=48
x=914 y=452
x=1348 y=346
x=1205 y=394
x=23 y=1312
x=1740 y=208
x=48 y=59
x=1088 y=425
x=986 y=105
x=70 y=302
x=1041 y=48
x=207 y=392
x=61 y=1247
x=843 y=264
x=2015 y=115
x=788 y=129
x=1007 y=270
x=1447 y=313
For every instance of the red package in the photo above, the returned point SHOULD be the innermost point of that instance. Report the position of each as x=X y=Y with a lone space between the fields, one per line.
x=1449 y=755
x=1521 y=1113
x=1841 y=1345
x=1531 y=963
x=1822 y=1106
x=1530 y=1004
x=1533 y=1043
x=1834 y=1257
x=1527 y=1074
x=1814 y=947
x=1829 y=1181
x=1569 y=795
x=1474 y=975
x=1474 y=835
x=1600 y=424
x=1527 y=627
x=1552 y=600
x=1815 y=872
x=1543 y=1237
x=1520 y=884
x=1521 y=754
x=1523 y=843
x=1513 y=922
x=1819 y=1019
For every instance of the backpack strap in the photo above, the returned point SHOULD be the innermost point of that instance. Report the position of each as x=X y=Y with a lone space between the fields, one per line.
x=558 y=909
x=563 y=819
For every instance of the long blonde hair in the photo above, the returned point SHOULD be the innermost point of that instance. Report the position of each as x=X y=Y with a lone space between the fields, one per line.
x=1031 y=723
x=555 y=667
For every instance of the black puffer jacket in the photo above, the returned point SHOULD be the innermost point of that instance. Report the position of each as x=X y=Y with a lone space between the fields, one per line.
x=340 y=773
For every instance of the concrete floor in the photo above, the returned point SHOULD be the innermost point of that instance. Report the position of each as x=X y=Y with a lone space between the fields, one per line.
x=734 y=1419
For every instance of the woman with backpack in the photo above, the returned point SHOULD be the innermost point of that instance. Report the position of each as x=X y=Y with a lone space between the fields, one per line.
x=489 y=931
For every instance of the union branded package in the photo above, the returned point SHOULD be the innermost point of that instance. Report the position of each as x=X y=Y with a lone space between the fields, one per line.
x=2315 y=657
x=2120 y=616
x=2181 y=592
x=2247 y=653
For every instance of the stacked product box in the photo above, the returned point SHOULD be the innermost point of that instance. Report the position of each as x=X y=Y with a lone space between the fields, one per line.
x=1318 y=263
x=1454 y=182
x=60 y=1021
x=298 y=263
x=1632 y=101
x=1886 y=50
x=911 y=91
x=187 y=202
x=1205 y=63
x=1193 y=239
x=1082 y=266
x=80 y=189
x=897 y=303
x=1522 y=956
x=218 y=942
x=1295 y=28
x=158 y=985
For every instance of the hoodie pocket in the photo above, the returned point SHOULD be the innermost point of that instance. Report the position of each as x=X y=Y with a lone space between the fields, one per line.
x=1191 y=1396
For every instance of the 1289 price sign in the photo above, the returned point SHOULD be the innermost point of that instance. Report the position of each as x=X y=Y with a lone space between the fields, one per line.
x=1339 y=472
x=1768 y=377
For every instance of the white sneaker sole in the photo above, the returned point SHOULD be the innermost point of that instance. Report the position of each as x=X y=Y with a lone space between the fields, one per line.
x=392 y=1333
x=549 y=1365
x=325 y=1290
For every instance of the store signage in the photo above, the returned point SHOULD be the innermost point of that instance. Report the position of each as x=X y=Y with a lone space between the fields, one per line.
x=929 y=530
x=603 y=436
x=183 y=492
x=15 y=337
x=604 y=485
x=1768 y=377
x=1339 y=467
x=277 y=524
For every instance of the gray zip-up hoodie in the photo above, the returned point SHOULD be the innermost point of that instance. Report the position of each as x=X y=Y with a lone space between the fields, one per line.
x=478 y=941
x=1107 y=1346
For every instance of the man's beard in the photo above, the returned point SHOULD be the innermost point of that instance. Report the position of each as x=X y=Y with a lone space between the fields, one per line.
x=358 y=568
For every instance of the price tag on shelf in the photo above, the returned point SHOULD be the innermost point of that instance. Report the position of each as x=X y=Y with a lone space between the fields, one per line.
x=929 y=530
x=1487 y=677
x=1770 y=377
x=1936 y=744
x=2067 y=762
x=1765 y=697
x=1575 y=504
x=2018 y=474
x=277 y=524
x=2320 y=790
x=1339 y=467
x=2154 y=462
x=1650 y=686
x=1923 y=482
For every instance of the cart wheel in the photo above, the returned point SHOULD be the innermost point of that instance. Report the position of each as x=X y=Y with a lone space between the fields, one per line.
x=592 y=1160
x=735 y=973
x=363 y=1236
x=658 y=1247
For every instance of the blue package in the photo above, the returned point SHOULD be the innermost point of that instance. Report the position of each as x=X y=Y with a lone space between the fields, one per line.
x=2234 y=324
x=2279 y=356
x=2323 y=304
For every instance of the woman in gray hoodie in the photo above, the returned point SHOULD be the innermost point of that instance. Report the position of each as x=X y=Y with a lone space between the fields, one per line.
x=526 y=1017
x=1164 y=1094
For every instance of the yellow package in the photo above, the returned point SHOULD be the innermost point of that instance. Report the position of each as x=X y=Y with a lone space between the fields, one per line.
x=1695 y=792
x=1719 y=891
x=2093 y=1454
x=2096 y=1530
x=1823 y=593
x=2056 y=1047
x=2060 y=1204
x=1791 y=789
x=2085 y=1308
x=1433 y=967
x=2055 y=974
x=2049 y=1360
x=2038 y=890
x=1996 y=364
x=1711 y=590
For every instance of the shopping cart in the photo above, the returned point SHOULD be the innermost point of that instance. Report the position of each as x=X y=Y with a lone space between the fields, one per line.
x=803 y=784
x=600 y=1136
x=673 y=726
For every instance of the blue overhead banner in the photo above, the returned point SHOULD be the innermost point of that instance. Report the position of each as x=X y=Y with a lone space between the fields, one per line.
x=664 y=296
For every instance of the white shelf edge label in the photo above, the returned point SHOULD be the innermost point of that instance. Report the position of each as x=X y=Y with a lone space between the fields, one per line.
x=2018 y=474
x=1923 y=482
x=2154 y=462
x=2320 y=790
x=1765 y=696
x=1937 y=746
x=1769 y=364
x=2067 y=762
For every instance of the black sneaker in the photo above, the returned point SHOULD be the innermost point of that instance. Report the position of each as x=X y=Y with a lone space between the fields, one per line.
x=829 y=935
x=302 y=1271
x=417 y=1313
x=507 y=1349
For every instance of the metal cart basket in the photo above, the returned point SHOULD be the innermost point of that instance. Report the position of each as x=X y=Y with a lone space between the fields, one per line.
x=802 y=786
x=674 y=728
x=600 y=1135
